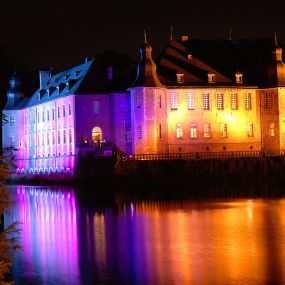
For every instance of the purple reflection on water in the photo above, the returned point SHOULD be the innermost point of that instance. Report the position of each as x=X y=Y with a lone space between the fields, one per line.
x=147 y=242
x=49 y=236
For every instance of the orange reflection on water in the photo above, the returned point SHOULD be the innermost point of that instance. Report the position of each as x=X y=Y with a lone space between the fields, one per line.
x=240 y=242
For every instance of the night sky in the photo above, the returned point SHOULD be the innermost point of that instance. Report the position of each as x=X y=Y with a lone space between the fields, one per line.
x=62 y=33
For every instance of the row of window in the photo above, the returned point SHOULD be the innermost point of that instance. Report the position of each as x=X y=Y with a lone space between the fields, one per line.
x=206 y=101
x=207 y=130
x=43 y=116
x=207 y=104
x=50 y=139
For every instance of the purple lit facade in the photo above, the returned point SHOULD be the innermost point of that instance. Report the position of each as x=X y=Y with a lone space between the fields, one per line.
x=50 y=130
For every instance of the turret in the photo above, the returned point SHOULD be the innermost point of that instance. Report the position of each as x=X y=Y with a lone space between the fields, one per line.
x=148 y=107
x=146 y=70
x=276 y=70
x=14 y=92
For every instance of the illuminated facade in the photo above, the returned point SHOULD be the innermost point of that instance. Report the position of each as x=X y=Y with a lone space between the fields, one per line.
x=184 y=106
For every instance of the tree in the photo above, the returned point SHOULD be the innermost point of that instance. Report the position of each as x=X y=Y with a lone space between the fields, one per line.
x=8 y=241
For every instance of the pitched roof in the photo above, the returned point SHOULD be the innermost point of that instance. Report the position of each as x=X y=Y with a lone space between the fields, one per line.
x=251 y=57
x=178 y=57
x=59 y=85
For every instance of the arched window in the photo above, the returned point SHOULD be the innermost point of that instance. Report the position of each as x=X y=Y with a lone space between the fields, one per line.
x=96 y=135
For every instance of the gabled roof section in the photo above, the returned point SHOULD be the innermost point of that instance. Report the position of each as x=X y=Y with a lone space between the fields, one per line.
x=177 y=57
x=59 y=85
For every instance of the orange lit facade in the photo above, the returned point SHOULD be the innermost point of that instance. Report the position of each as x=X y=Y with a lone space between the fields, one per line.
x=202 y=110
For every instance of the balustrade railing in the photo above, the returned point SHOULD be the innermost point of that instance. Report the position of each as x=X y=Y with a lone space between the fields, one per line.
x=205 y=155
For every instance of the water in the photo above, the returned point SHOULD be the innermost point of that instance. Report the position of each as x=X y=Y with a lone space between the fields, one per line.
x=218 y=242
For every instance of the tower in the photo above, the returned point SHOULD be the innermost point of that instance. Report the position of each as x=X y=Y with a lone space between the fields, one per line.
x=276 y=69
x=148 y=106
x=14 y=92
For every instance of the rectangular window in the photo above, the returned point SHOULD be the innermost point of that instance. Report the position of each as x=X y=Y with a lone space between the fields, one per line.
x=26 y=118
x=191 y=101
x=43 y=139
x=159 y=101
x=268 y=101
x=53 y=114
x=70 y=136
x=47 y=138
x=58 y=112
x=179 y=132
x=31 y=117
x=223 y=130
x=139 y=132
x=193 y=131
x=127 y=136
x=48 y=115
x=139 y=100
x=38 y=114
x=234 y=101
x=96 y=105
x=69 y=109
x=63 y=110
x=53 y=138
x=64 y=136
x=173 y=101
x=58 y=137
x=220 y=101
x=12 y=141
x=271 y=129
x=43 y=116
x=12 y=120
x=206 y=101
x=250 y=129
x=160 y=133
x=247 y=101
x=207 y=131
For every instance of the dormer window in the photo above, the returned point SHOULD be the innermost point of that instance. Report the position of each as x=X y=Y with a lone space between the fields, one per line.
x=189 y=56
x=180 y=78
x=211 y=78
x=239 y=77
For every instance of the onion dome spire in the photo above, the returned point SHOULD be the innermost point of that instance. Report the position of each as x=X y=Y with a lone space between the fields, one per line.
x=146 y=70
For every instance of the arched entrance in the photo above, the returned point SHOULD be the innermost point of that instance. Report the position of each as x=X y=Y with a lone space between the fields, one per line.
x=96 y=136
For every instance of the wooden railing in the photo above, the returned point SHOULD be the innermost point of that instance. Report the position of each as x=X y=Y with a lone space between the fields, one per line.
x=205 y=155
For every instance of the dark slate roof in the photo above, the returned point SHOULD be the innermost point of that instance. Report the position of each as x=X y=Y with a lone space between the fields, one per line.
x=251 y=57
x=177 y=57
x=60 y=85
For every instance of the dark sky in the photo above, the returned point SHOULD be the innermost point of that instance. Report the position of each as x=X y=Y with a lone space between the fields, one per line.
x=62 y=33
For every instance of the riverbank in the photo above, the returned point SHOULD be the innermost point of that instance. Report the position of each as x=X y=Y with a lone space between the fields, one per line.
x=242 y=177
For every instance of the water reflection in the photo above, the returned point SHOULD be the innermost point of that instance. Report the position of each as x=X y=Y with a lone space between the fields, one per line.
x=222 y=242
x=49 y=236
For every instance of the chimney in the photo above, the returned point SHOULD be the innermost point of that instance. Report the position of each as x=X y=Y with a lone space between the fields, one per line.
x=110 y=73
x=44 y=76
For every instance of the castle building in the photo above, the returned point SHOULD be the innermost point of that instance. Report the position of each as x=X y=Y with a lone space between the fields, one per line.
x=179 y=105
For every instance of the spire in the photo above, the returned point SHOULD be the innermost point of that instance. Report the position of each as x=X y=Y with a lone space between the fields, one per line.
x=146 y=70
x=277 y=50
x=230 y=34
x=171 y=31
x=144 y=34
x=276 y=39
x=276 y=69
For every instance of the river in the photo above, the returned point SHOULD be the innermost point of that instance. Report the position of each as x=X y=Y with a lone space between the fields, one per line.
x=207 y=242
